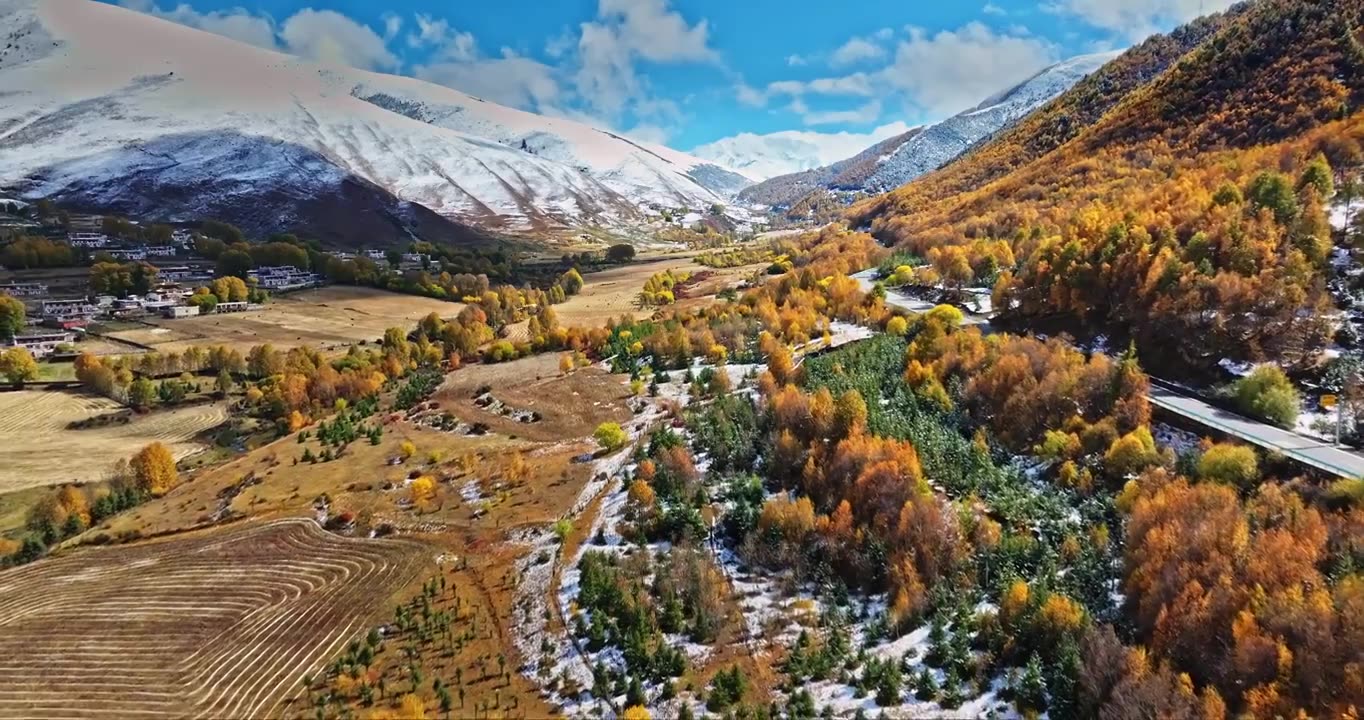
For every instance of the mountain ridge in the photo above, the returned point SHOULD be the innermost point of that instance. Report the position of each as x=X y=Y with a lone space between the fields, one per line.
x=894 y=161
x=84 y=80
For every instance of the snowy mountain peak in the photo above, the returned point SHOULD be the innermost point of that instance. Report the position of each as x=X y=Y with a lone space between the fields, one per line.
x=896 y=160
x=106 y=107
x=789 y=151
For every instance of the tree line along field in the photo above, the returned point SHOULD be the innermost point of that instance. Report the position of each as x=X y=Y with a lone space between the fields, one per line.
x=208 y=625
x=324 y=318
x=40 y=449
x=611 y=293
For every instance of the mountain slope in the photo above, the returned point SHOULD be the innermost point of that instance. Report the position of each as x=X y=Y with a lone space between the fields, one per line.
x=1175 y=199
x=93 y=91
x=897 y=160
x=1055 y=123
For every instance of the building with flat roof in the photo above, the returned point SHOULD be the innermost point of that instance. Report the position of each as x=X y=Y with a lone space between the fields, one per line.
x=42 y=344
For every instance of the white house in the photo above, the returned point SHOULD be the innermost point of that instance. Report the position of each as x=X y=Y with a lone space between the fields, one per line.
x=42 y=344
x=68 y=309
x=284 y=277
x=87 y=239
x=18 y=289
x=175 y=312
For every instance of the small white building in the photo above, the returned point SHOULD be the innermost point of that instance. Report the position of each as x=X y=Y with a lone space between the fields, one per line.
x=69 y=309
x=40 y=345
x=284 y=277
x=231 y=307
x=176 y=312
x=87 y=239
x=20 y=289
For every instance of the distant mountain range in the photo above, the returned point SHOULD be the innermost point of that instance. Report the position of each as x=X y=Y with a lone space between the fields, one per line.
x=899 y=159
x=114 y=110
x=762 y=157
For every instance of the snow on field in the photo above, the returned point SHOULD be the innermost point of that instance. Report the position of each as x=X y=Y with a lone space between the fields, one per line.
x=1315 y=422
x=1180 y=441
x=1341 y=213
x=1237 y=368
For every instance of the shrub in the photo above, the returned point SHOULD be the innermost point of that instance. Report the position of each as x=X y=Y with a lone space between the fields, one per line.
x=1230 y=464
x=1267 y=393
x=610 y=436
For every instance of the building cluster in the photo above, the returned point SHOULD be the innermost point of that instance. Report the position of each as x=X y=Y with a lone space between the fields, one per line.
x=284 y=277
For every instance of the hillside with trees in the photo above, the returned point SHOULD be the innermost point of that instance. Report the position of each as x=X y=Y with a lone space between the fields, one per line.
x=1178 y=197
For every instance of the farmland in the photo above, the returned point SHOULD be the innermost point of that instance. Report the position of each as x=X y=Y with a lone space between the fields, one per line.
x=235 y=618
x=490 y=491
x=324 y=318
x=40 y=449
x=608 y=294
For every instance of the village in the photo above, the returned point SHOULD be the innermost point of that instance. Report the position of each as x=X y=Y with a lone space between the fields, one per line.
x=62 y=307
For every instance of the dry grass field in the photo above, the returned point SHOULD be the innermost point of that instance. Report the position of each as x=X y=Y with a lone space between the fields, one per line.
x=220 y=624
x=491 y=490
x=608 y=294
x=568 y=406
x=40 y=450
x=325 y=318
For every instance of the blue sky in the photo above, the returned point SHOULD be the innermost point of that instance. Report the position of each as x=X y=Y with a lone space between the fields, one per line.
x=690 y=72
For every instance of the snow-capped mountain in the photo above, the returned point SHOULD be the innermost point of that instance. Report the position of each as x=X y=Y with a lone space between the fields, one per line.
x=895 y=161
x=108 y=108
x=790 y=151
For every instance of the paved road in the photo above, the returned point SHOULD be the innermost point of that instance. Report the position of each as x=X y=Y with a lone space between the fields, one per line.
x=1310 y=451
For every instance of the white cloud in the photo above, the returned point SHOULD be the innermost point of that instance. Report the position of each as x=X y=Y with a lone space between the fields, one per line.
x=856 y=50
x=649 y=29
x=749 y=95
x=949 y=71
x=321 y=35
x=329 y=36
x=1135 y=19
x=796 y=61
x=430 y=31
x=235 y=23
x=867 y=113
x=765 y=156
x=993 y=9
x=510 y=80
x=393 y=25
x=857 y=84
x=627 y=31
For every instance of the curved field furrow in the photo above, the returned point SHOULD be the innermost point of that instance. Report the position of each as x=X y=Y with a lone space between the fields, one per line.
x=41 y=450
x=219 y=625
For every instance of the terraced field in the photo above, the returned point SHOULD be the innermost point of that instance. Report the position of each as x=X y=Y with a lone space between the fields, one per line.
x=40 y=450
x=219 y=625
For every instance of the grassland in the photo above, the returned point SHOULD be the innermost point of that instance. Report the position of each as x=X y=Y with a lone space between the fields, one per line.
x=324 y=318
x=41 y=450
x=614 y=292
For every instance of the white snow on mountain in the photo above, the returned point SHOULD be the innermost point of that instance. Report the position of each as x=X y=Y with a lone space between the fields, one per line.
x=894 y=161
x=92 y=92
x=938 y=144
x=765 y=156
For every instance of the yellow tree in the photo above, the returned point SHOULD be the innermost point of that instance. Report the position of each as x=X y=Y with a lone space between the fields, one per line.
x=18 y=365
x=154 y=468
